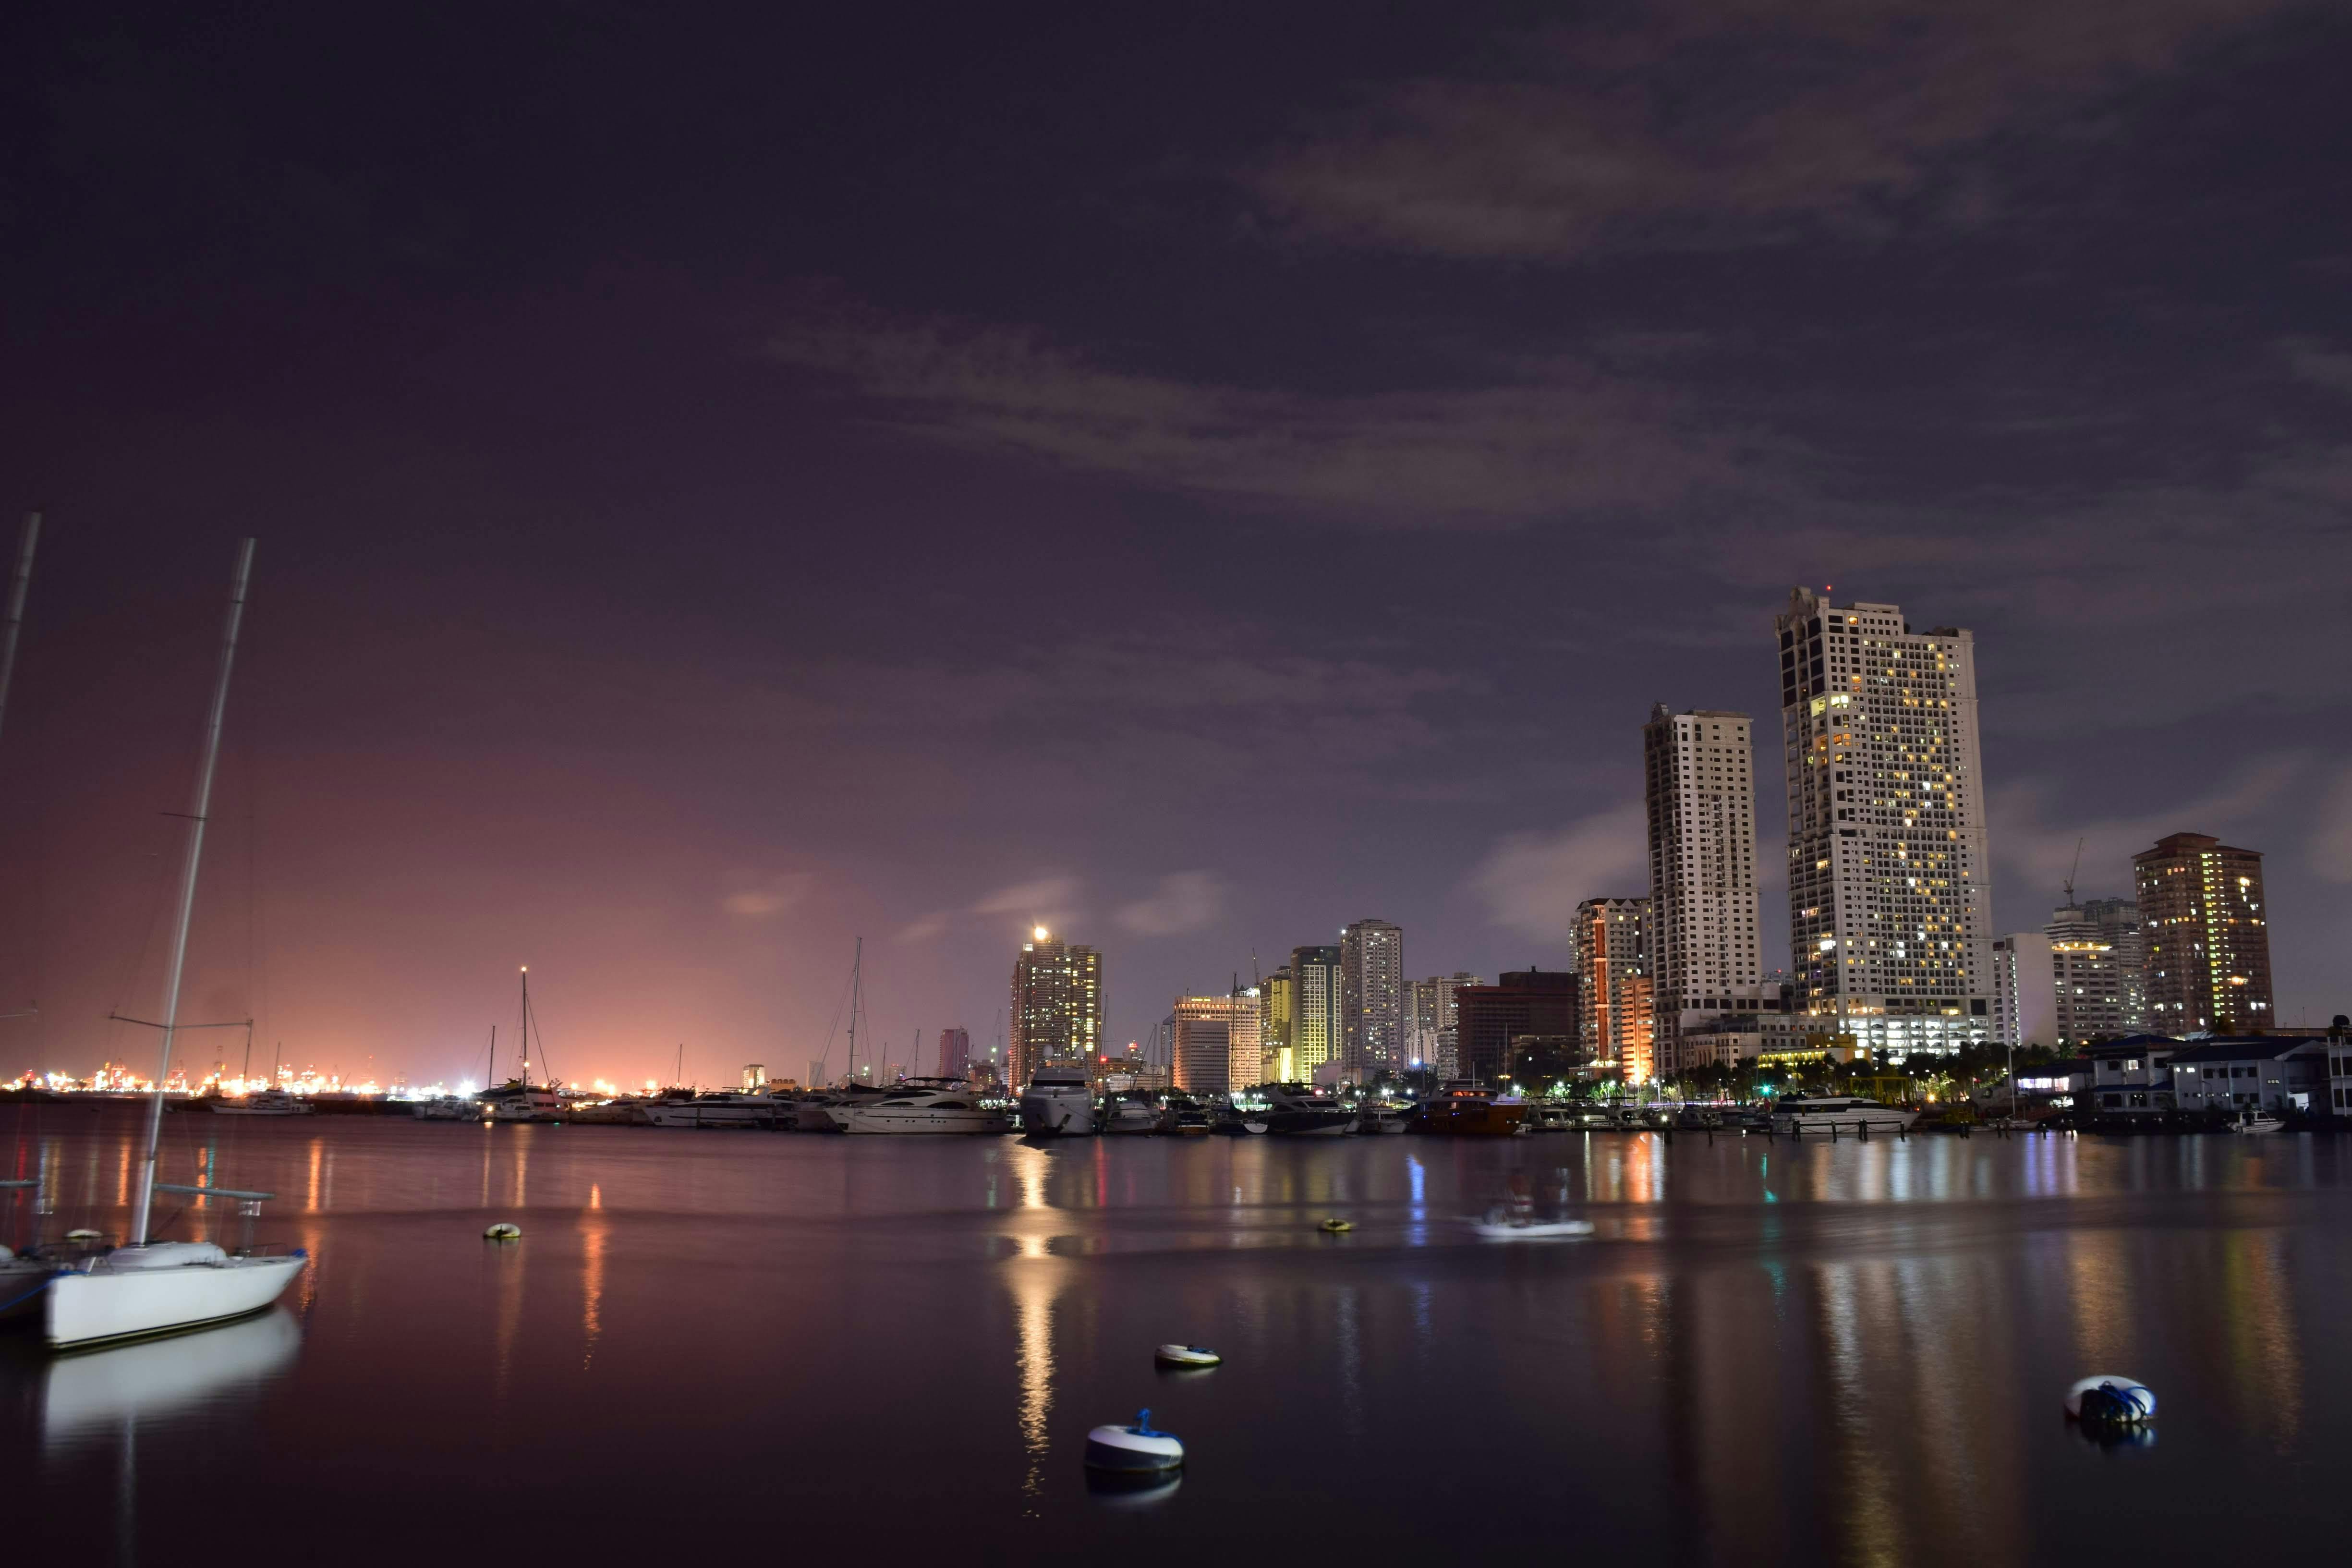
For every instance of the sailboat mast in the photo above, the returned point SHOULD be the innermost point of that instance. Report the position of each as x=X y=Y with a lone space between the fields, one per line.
x=857 y=985
x=525 y=1058
x=142 y=1202
x=18 y=587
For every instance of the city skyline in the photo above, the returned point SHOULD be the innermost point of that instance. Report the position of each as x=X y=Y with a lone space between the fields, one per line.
x=1267 y=509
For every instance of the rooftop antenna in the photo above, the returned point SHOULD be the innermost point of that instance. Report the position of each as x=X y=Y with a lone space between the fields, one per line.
x=2070 y=873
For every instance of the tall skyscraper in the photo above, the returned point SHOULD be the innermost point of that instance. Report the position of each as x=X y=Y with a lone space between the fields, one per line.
x=1277 y=1017
x=1613 y=997
x=2094 y=995
x=2118 y=920
x=2024 y=992
x=1217 y=1043
x=1315 y=1030
x=1701 y=794
x=1431 y=1017
x=1371 y=997
x=955 y=1052
x=1057 y=1005
x=2204 y=920
x=1889 y=880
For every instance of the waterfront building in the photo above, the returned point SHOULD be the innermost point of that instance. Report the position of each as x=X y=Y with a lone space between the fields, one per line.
x=1889 y=876
x=2203 y=919
x=2340 y=1066
x=2024 y=991
x=1520 y=1001
x=1615 y=997
x=1700 y=791
x=1315 y=1025
x=2133 y=1076
x=955 y=1052
x=1371 y=998
x=1277 y=1015
x=2259 y=1072
x=1216 y=1044
x=1057 y=1005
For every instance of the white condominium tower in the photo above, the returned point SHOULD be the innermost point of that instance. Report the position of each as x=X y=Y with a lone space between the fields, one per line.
x=1371 y=997
x=1700 y=783
x=1889 y=882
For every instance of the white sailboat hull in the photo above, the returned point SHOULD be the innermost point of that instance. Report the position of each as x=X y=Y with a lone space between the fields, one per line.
x=91 y=1306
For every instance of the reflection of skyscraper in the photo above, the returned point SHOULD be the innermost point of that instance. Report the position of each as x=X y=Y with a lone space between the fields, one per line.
x=1315 y=1028
x=1889 y=881
x=1057 y=1005
x=2208 y=954
x=955 y=1052
x=1613 y=962
x=1371 y=997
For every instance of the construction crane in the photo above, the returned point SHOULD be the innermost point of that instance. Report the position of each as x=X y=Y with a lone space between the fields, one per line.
x=2070 y=873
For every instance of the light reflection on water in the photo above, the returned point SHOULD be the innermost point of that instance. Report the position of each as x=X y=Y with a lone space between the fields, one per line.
x=1769 y=1353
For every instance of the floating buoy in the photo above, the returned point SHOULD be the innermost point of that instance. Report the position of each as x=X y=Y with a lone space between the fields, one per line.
x=1336 y=1225
x=2111 y=1399
x=85 y=1235
x=1186 y=1355
x=503 y=1231
x=1133 y=1450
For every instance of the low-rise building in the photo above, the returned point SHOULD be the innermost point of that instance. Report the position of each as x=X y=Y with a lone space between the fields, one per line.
x=2251 y=1072
x=2131 y=1077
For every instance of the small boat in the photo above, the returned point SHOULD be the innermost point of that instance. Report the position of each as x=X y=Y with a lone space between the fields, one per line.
x=934 y=1106
x=263 y=1102
x=2258 y=1122
x=1133 y=1449
x=2111 y=1398
x=446 y=1108
x=1299 y=1111
x=1130 y=1112
x=1506 y=1224
x=1059 y=1102
x=1187 y=1355
x=1379 y=1116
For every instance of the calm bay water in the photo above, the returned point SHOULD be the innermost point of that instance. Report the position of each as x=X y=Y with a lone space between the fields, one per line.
x=711 y=1343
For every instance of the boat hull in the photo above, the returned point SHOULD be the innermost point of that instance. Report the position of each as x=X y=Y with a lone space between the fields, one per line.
x=101 y=1304
x=877 y=1119
x=1057 y=1115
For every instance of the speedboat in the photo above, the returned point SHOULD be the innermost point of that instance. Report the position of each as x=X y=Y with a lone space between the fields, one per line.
x=1296 y=1111
x=1505 y=1222
x=929 y=1108
x=1465 y=1110
x=1130 y=1112
x=1059 y=1102
x=2258 y=1122
x=263 y=1102
x=1835 y=1113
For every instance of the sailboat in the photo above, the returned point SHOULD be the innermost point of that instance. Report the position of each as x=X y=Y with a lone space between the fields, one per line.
x=519 y=1098
x=145 y=1286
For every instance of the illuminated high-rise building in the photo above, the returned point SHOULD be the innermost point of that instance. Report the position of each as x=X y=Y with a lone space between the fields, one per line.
x=1701 y=797
x=1216 y=1049
x=1315 y=1025
x=2207 y=959
x=1371 y=997
x=1433 y=1021
x=1614 y=998
x=1889 y=878
x=1277 y=1015
x=1057 y=1005
x=2098 y=997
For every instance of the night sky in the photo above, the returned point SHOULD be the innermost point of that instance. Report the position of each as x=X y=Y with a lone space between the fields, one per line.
x=731 y=482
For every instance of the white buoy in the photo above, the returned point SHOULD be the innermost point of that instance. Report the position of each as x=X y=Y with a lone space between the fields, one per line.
x=1186 y=1355
x=85 y=1235
x=1336 y=1226
x=503 y=1231
x=1133 y=1450
x=2112 y=1398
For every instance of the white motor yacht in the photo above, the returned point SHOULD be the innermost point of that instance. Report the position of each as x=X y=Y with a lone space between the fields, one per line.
x=1059 y=1102
x=1296 y=1111
x=725 y=1111
x=1837 y=1113
x=446 y=1108
x=263 y=1102
x=517 y=1102
x=1380 y=1116
x=929 y=1108
x=1132 y=1112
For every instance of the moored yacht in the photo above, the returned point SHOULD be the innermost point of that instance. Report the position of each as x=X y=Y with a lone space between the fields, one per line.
x=1835 y=1113
x=516 y=1100
x=928 y=1105
x=1298 y=1111
x=1467 y=1111
x=446 y=1108
x=1130 y=1112
x=1059 y=1102
x=263 y=1102
x=728 y=1109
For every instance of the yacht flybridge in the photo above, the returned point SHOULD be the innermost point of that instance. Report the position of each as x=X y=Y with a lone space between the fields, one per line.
x=150 y=1287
